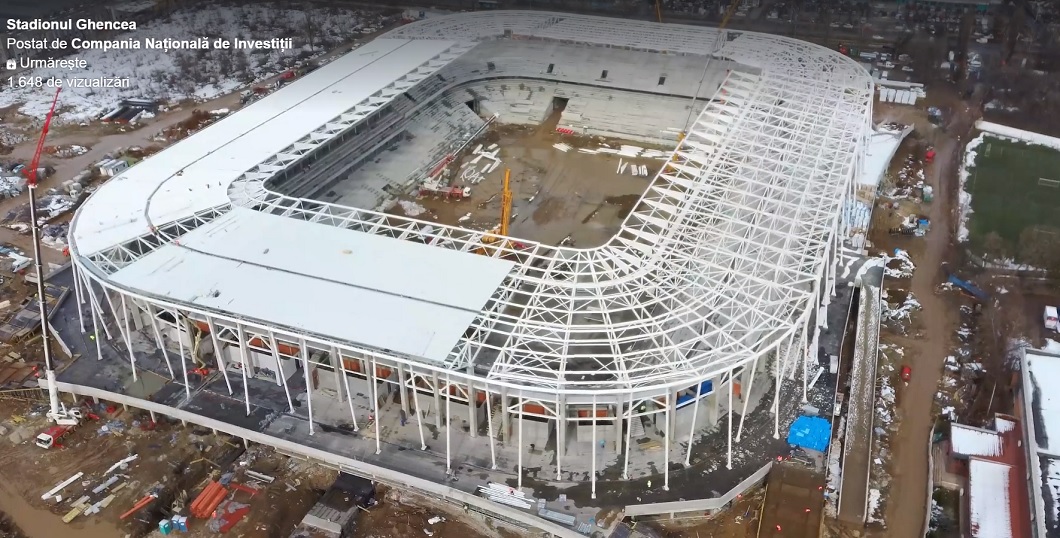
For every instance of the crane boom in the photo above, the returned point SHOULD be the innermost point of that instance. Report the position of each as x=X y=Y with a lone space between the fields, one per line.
x=56 y=412
x=506 y=203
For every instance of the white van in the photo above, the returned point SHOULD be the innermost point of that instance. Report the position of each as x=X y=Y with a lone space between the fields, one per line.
x=1050 y=319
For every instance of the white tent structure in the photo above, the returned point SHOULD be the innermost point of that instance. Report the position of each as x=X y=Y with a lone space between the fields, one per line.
x=714 y=280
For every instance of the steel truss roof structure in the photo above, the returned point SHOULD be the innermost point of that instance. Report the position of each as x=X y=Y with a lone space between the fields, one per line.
x=721 y=260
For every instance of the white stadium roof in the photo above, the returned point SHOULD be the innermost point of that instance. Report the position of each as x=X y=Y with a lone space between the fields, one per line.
x=716 y=266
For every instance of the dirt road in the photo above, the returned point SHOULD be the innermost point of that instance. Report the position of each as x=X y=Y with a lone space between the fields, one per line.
x=908 y=491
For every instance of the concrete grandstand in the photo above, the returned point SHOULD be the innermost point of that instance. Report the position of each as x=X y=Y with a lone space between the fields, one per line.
x=260 y=248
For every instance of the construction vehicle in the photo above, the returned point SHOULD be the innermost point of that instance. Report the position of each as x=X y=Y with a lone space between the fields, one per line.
x=447 y=192
x=54 y=435
x=499 y=235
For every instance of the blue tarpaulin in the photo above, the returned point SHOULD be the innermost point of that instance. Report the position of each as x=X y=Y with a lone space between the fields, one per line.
x=812 y=433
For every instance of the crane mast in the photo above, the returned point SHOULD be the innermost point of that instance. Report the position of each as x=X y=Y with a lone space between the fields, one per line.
x=56 y=411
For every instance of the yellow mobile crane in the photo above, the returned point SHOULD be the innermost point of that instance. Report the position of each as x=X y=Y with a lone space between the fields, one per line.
x=500 y=232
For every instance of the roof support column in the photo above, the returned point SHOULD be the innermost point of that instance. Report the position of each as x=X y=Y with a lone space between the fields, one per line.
x=692 y=428
x=437 y=400
x=346 y=384
x=419 y=416
x=242 y=337
x=592 y=475
x=448 y=423
x=79 y=297
x=811 y=352
x=728 y=456
x=403 y=394
x=506 y=426
x=279 y=369
x=746 y=396
x=629 y=433
x=375 y=403
x=336 y=358
x=182 y=327
x=520 y=446
x=778 y=378
x=125 y=334
x=561 y=433
x=304 y=353
x=489 y=431
x=669 y=433
x=158 y=338
x=472 y=402
x=97 y=307
x=618 y=425
x=217 y=353
x=95 y=333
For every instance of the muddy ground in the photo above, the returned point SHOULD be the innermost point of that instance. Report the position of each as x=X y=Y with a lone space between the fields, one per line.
x=555 y=194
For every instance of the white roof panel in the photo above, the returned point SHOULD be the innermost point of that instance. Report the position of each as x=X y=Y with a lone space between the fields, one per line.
x=969 y=441
x=988 y=499
x=351 y=286
x=210 y=160
x=1045 y=370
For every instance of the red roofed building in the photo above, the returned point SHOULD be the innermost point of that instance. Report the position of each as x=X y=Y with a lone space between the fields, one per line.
x=994 y=465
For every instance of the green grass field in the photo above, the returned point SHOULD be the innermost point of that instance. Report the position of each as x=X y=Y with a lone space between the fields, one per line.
x=1014 y=186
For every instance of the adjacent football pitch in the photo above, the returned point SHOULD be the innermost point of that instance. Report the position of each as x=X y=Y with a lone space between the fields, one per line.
x=1014 y=186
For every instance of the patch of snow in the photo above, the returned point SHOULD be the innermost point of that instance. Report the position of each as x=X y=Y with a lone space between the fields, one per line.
x=1051 y=346
x=965 y=198
x=1019 y=135
x=874 y=505
x=411 y=209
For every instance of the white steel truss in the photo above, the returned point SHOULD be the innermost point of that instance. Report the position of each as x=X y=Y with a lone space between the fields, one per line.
x=718 y=264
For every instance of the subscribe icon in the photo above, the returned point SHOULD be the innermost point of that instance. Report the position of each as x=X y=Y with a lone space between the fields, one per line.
x=12 y=64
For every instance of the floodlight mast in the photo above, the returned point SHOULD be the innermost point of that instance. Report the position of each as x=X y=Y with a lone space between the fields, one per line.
x=56 y=412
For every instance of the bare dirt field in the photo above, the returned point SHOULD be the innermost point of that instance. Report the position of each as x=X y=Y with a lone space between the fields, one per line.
x=555 y=194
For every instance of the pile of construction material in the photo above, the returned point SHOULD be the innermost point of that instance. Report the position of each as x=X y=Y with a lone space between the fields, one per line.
x=12 y=186
x=634 y=169
x=626 y=151
x=54 y=235
x=473 y=174
x=562 y=147
x=499 y=493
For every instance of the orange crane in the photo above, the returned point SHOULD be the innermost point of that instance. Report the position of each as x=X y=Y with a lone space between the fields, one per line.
x=499 y=234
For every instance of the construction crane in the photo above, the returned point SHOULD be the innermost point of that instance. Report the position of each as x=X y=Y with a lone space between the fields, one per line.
x=499 y=233
x=717 y=46
x=57 y=412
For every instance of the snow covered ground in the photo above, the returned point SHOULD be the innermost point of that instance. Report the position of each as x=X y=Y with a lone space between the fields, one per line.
x=965 y=200
x=195 y=74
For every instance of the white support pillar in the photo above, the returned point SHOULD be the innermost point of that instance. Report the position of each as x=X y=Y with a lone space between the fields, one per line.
x=303 y=352
x=217 y=355
x=375 y=405
x=669 y=434
x=746 y=397
x=97 y=306
x=402 y=392
x=728 y=457
x=437 y=400
x=349 y=393
x=489 y=426
x=561 y=437
x=448 y=422
x=336 y=357
x=180 y=349
x=243 y=366
x=506 y=429
x=472 y=402
x=158 y=338
x=279 y=372
x=521 y=446
x=618 y=426
x=592 y=476
x=95 y=334
x=419 y=416
x=629 y=436
x=692 y=429
x=78 y=296
x=778 y=379
x=125 y=334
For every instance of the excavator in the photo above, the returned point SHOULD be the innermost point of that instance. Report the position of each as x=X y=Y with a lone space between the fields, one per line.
x=498 y=236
